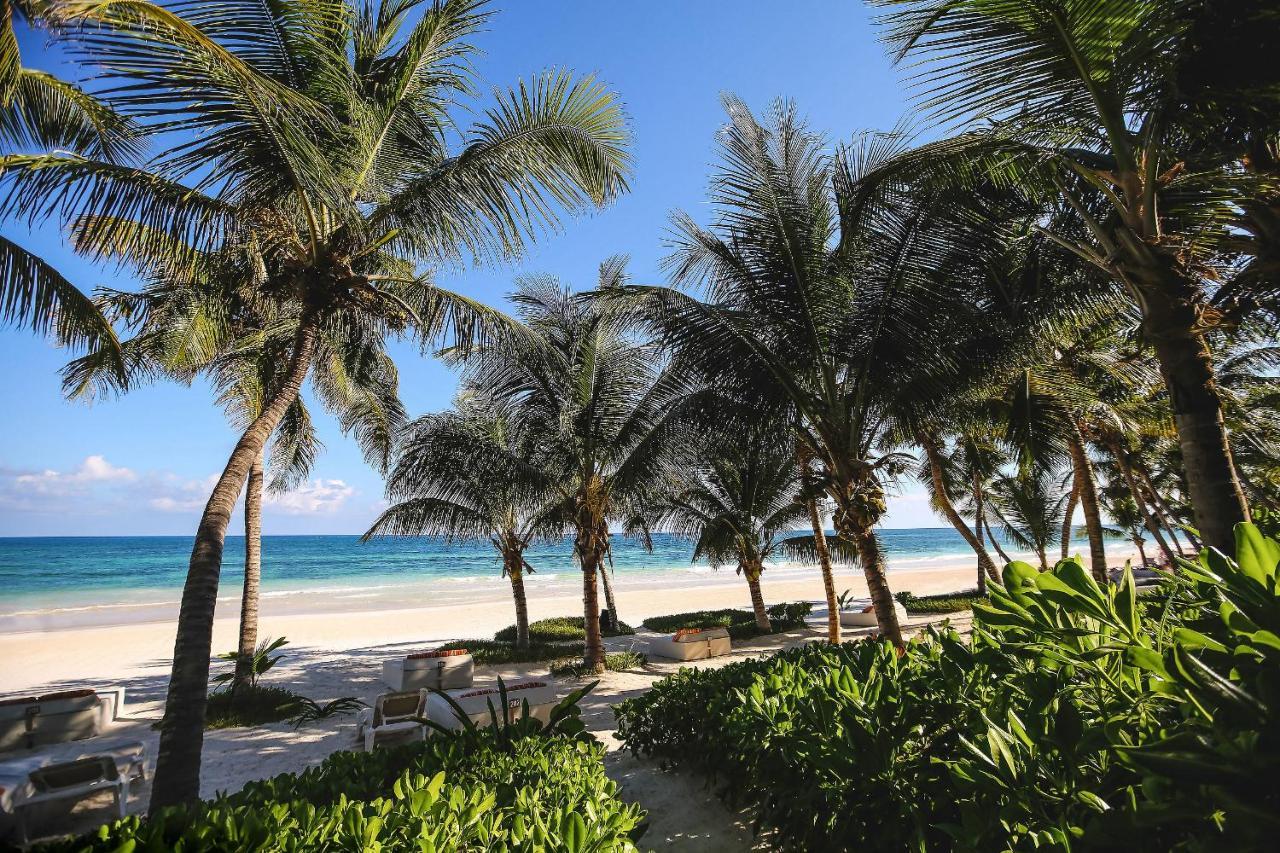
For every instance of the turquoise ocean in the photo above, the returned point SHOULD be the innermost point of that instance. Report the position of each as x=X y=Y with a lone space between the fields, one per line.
x=54 y=582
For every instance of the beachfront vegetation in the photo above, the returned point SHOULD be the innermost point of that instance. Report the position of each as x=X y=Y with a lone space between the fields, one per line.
x=952 y=602
x=1078 y=716
x=471 y=792
x=741 y=624
x=562 y=629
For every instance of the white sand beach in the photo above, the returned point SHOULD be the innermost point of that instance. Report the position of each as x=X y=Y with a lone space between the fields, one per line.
x=340 y=654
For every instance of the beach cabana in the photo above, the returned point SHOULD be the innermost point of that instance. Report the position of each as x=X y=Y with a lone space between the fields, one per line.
x=31 y=721
x=865 y=617
x=442 y=669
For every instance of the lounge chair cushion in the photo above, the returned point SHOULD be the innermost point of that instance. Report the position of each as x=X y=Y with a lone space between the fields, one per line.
x=440 y=670
x=861 y=618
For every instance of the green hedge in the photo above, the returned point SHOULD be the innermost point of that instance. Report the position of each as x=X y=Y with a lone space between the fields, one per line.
x=1080 y=718
x=558 y=629
x=478 y=792
x=741 y=623
x=951 y=602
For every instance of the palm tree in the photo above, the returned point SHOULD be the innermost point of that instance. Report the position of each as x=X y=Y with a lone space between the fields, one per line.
x=946 y=487
x=820 y=307
x=1030 y=511
x=1089 y=108
x=734 y=504
x=318 y=136
x=466 y=475
x=604 y=410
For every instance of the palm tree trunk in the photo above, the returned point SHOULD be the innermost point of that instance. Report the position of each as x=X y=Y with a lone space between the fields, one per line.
x=1089 y=503
x=1148 y=520
x=515 y=572
x=995 y=543
x=1069 y=520
x=177 y=774
x=591 y=553
x=943 y=502
x=753 y=570
x=872 y=559
x=828 y=578
x=1142 y=553
x=252 y=575
x=1044 y=559
x=609 y=601
x=1158 y=504
x=1170 y=319
x=978 y=512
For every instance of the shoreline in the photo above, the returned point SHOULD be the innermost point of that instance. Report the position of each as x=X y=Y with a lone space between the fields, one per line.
x=58 y=657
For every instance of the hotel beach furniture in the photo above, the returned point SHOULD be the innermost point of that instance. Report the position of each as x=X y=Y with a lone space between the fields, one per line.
x=31 y=721
x=70 y=774
x=475 y=702
x=692 y=644
x=393 y=718
x=442 y=669
x=866 y=617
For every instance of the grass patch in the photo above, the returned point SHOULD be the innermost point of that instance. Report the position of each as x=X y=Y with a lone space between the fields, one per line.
x=252 y=706
x=613 y=661
x=558 y=629
x=497 y=652
x=950 y=602
x=741 y=624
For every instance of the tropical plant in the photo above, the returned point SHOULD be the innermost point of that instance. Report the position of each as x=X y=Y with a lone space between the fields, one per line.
x=734 y=502
x=40 y=112
x=829 y=311
x=307 y=711
x=604 y=411
x=255 y=665
x=741 y=624
x=467 y=474
x=1096 y=112
x=1031 y=511
x=311 y=141
x=559 y=629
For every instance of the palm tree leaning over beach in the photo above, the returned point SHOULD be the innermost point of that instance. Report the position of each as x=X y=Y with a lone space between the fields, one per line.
x=469 y=474
x=1030 y=508
x=605 y=412
x=1095 y=110
x=319 y=135
x=735 y=502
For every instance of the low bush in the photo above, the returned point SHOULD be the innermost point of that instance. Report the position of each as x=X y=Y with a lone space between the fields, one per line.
x=613 y=661
x=497 y=652
x=558 y=629
x=491 y=788
x=740 y=623
x=951 y=602
x=1079 y=718
x=251 y=706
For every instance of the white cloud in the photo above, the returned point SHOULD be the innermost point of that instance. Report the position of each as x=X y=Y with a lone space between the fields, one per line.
x=316 y=497
x=171 y=493
x=94 y=469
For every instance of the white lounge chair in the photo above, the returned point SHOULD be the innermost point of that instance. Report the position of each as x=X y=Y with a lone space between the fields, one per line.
x=443 y=669
x=866 y=617
x=30 y=721
x=541 y=696
x=692 y=644
x=70 y=775
x=393 y=718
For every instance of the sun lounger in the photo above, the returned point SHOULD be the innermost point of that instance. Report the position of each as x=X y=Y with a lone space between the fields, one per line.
x=393 y=718
x=69 y=775
x=866 y=617
x=540 y=695
x=692 y=644
x=30 y=721
x=438 y=670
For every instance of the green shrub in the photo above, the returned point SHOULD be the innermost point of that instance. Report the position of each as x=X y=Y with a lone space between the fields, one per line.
x=558 y=629
x=251 y=706
x=503 y=787
x=496 y=652
x=613 y=661
x=740 y=623
x=1080 y=717
x=951 y=602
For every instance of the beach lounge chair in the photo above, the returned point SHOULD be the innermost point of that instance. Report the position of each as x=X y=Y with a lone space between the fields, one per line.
x=692 y=644
x=866 y=617
x=443 y=669
x=540 y=695
x=393 y=718
x=70 y=776
x=30 y=721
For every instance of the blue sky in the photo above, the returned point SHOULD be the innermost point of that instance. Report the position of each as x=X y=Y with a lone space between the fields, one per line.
x=142 y=464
